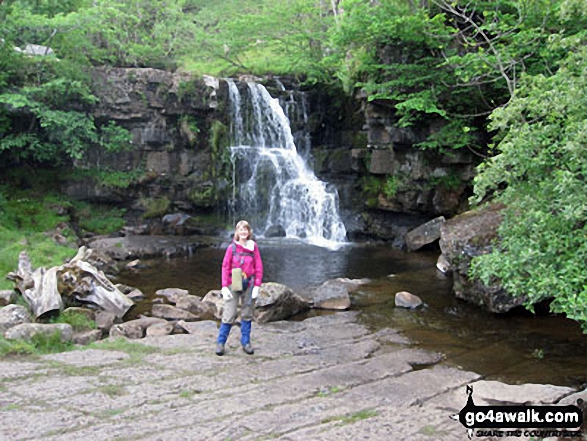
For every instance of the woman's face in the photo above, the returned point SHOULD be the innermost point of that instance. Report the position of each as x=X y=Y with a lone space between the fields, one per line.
x=243 y=233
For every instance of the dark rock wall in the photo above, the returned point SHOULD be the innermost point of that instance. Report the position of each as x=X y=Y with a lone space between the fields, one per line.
x=169 y=117
x=179 y=129
x=386 y=184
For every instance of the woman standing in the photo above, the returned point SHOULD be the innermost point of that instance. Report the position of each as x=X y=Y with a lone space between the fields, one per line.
x=242 y=259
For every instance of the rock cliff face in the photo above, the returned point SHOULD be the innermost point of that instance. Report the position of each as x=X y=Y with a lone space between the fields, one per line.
x=461 y=239
x=388 y=186
x=170 y=118
x=177 y=160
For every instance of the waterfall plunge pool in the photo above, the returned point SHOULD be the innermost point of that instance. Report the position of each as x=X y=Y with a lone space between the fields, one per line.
x=514 y=348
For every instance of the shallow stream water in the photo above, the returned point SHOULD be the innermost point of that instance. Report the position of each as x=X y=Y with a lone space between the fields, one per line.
x=514 y=348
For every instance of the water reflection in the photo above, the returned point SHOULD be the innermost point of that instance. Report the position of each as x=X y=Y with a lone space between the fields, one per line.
x=514 y=348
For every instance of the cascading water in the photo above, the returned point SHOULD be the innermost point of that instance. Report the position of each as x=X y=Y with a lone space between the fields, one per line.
x=273 y=186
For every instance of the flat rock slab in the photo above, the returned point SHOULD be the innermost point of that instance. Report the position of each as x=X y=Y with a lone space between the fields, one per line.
x=324 y=378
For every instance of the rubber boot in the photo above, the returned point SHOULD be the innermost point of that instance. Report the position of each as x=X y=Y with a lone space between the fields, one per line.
x=222 y=337
x=246 y=337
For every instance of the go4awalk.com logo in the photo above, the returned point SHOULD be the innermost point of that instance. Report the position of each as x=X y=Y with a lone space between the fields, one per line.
x=527 y=421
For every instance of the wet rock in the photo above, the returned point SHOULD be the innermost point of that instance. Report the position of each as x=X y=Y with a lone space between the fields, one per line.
x=13 y=315
x=175 y=219
x=404 y=299
x=132 y=247
x=352 y=284
x=275 y=231
x=496 y=393
x=194 y=304
x=136 y=295
x=172 y=294
x=442 y=264
x=332 y=294
x=424 y=234
x=26 y=331
x=461 y=239
x=275 y=302
x=169 y=312
x=278 y=302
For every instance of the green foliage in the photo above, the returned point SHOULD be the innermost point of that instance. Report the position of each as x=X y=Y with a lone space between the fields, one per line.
x=391 y=186
x=189 y=128
x=108 y=178
x=260 y=36
x=98 y=219
x=449 y=182
x=25 y=219
x=77 y=320
x=539 y=172
x=203 y=197
x=38 y=345
x=155 y=207
x=372 y=187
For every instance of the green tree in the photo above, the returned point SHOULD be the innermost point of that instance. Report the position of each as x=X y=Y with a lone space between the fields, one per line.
x=260 y=37
x=45 y=100
x=539 y=172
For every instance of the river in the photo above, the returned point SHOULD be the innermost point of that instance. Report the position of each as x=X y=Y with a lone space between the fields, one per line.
x=515 y=348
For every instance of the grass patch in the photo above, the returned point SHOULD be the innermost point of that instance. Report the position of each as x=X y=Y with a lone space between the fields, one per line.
x=189 y=393
x=25 y=219
x=77 y=320
x=324 y=392
x=38 y=345
x=352 y=418
x=99 y=219
x=155 y=207
x=135 y=351
x=112 y=390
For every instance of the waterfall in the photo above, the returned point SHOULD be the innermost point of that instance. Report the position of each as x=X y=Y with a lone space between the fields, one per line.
x=273 y=184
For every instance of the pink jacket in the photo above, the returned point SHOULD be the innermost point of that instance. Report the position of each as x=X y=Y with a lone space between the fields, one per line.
x=251 y=265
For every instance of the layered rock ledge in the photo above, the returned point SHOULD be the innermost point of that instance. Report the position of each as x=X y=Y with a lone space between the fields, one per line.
x=324 y=378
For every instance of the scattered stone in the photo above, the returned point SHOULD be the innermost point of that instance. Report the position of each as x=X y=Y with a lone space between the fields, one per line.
x=134 y=329
x=134 y=264
x=275 y=231
x=172 y=294
x=159 y=329
x=136 y=295
x=169 y=312
x=86 y=337
x=424 y=234
x=13 y=315
x=442 y=264
x=404 y=299
x=104 y=321
x=26 y=331
x=464 y=237
x=332 y=294
x=278 y=302
x=7 y=297
x=495 y=393
x=352 y=284
x=195 y=305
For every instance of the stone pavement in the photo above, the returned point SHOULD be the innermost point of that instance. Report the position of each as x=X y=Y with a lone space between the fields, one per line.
x=326 y=378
